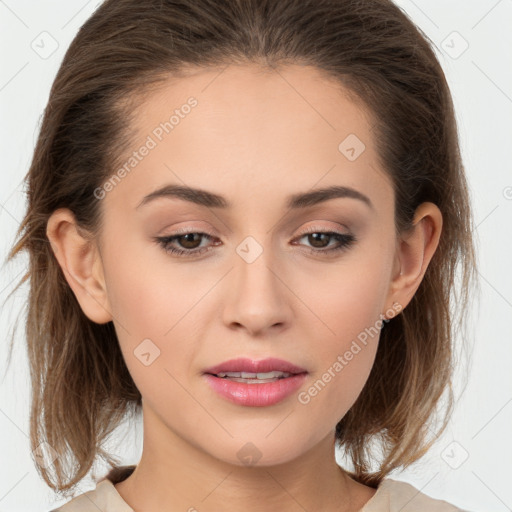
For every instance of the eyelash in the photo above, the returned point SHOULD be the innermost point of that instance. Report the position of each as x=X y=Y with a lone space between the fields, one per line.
x=345 y=240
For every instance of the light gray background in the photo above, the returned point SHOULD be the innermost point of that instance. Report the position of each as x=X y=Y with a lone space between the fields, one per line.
x=470 y=465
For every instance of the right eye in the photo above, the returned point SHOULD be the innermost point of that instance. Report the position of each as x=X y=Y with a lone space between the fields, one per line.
x=188 y=242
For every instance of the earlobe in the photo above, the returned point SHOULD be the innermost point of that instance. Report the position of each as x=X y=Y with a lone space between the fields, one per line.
x=415 y=250
x=81 y=264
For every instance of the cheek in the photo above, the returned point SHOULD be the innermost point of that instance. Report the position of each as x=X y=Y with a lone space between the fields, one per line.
x=348 y=304
x=153 y=298
x=348 y=299
x=152 y=321
x=148 y=293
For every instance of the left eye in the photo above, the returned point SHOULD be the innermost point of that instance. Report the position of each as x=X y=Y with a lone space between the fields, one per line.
x=190 y=242
x=318 y=238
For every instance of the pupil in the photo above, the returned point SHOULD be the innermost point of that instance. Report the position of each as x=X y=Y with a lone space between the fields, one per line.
x=188 y=240
x=316 y=237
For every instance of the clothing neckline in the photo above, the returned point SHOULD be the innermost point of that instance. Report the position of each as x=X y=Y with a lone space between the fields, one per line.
x=118 y=474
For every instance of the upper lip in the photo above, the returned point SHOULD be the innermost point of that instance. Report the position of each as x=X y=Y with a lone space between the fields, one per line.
x=244 y=364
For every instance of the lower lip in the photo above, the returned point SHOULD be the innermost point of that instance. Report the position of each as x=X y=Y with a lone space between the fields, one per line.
x=256 y=395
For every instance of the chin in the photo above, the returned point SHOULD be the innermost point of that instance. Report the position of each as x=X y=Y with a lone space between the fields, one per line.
x=260 y=452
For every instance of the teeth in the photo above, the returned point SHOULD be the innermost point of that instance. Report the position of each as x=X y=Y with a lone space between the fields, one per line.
x=247 y=375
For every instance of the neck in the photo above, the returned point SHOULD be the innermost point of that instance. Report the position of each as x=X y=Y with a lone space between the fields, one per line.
x=176 y=475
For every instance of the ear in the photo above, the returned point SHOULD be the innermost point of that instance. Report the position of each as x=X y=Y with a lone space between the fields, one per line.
x=414 y=252
x=80 y=260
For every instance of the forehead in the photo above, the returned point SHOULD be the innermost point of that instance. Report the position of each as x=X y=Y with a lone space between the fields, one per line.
x=251 y=129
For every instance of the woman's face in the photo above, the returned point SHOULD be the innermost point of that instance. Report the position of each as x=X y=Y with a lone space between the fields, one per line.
x=263 y=282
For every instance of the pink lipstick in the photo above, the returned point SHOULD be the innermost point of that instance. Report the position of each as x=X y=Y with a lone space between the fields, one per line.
x=255 y=383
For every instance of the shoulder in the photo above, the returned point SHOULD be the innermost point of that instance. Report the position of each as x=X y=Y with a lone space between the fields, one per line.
x=394 y=495
x=104 y=497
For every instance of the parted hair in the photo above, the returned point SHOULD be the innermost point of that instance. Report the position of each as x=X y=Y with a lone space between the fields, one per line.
x=81 y=387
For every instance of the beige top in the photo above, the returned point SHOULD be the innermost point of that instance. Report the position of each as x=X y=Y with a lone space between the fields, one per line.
x=391 y=496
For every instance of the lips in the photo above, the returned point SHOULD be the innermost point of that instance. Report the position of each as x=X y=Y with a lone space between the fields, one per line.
x=255 y=393
x=252 y=383
x=243 y=364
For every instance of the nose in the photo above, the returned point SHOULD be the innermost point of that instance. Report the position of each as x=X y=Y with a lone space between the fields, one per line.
x=256 y=296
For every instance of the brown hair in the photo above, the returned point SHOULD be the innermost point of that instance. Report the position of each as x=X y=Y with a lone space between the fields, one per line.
x=81 y=388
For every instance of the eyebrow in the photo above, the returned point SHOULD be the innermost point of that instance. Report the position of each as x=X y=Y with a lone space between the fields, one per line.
x=295 y=201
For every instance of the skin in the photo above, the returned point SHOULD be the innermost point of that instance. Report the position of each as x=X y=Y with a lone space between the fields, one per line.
x=255 y=137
